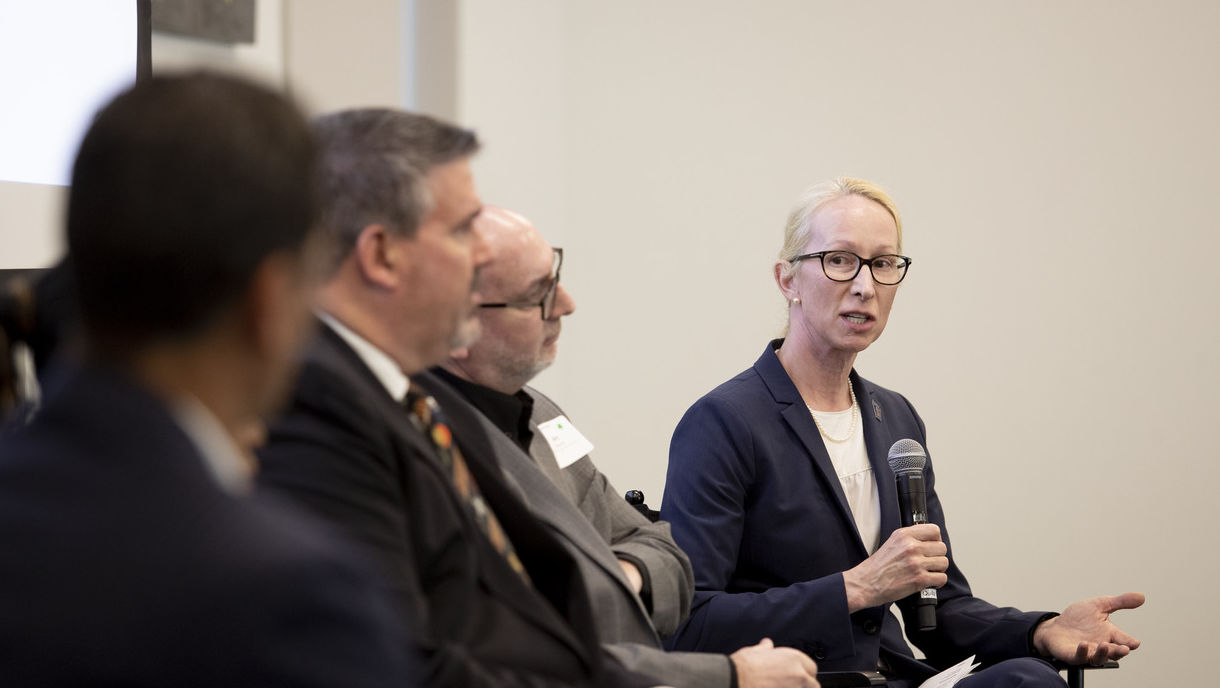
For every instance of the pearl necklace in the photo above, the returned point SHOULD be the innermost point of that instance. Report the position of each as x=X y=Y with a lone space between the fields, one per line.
x=855 y=415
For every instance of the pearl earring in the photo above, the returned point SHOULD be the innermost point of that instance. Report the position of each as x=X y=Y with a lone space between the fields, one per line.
x=796 y=301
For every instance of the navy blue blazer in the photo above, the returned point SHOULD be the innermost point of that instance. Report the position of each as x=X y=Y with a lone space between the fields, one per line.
x=122 y=562
x=755 y=502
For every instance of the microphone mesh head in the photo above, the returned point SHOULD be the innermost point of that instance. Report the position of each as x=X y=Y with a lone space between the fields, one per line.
x=907 y=456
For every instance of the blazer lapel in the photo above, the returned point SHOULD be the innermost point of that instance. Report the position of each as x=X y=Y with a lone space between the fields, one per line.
x=797 y=416
x=335 y=353
x=513 y=514
x=558 y=510
x=544 y=460
x=877 y=438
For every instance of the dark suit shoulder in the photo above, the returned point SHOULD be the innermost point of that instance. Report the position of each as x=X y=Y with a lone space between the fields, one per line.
x=339 y=437
x=338 y=388
x=126 y=562
x=741 y=395
x=883 y=394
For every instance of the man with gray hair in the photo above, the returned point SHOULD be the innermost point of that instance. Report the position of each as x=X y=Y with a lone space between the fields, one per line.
x=639 y=580
x=491 y=597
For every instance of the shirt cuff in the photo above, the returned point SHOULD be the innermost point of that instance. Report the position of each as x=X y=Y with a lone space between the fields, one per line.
x=1029 y=640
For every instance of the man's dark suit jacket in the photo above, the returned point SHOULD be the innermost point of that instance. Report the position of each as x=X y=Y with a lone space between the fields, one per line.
x=348 y=451
x=123 y=562
x=754 y=500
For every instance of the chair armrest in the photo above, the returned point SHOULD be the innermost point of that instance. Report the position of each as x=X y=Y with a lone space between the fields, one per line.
x=1075 y=672
x=850 y=679
x=636 y=499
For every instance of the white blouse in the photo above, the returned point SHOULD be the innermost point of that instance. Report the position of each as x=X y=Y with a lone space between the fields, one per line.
x=855 y=473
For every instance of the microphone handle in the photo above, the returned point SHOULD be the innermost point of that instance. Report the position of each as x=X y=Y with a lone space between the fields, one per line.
x=925 y=610
x=913 y=505
x=912 y=498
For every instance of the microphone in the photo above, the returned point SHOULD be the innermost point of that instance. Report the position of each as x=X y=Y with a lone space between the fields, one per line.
x=907 y=459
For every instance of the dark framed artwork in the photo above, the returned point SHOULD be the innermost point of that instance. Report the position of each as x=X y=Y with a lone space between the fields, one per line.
x=223 y=21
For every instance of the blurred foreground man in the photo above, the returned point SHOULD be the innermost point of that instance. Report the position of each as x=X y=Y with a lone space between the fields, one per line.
x=130 y=551
x=491 y=598
x=640 y=582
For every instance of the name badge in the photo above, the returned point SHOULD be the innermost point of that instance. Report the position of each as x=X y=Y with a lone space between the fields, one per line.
x=567 y=444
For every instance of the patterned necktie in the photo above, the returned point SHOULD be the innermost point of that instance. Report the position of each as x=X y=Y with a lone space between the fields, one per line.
x=427 y=416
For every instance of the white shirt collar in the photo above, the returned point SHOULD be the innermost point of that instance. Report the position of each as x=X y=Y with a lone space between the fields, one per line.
x=378 y=361
x=217 y=447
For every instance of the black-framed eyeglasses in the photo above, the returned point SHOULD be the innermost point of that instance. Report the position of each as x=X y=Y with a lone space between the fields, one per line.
x=547 y=303
x=843 y=266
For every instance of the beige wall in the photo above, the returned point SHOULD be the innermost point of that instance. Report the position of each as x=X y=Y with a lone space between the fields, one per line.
x=345 y=54
x=1053 y=162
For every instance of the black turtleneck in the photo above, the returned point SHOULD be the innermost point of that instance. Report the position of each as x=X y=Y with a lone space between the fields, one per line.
x=508 y=412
